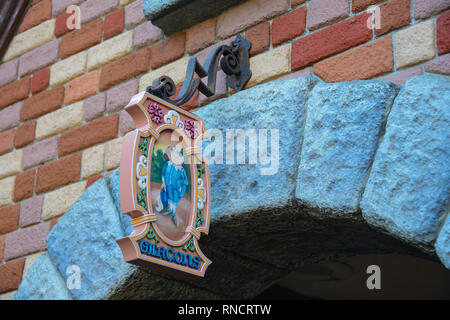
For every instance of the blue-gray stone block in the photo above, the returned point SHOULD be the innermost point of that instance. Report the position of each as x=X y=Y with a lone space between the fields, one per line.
x=342 y=128
x=277 y=105
x=42 y=282
x=114 y=186
x=408 y=188
x=85 y=236
x=442 y=244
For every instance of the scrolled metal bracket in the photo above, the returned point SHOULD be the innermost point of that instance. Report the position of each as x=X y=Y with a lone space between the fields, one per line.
x=233 y=60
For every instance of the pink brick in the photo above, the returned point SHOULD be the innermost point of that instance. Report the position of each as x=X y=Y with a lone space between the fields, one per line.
x=10 y=116
x=427 y=8
x=94 y=106
x=39 y=58
x=119 y=96
x=146 y=33
x=439 y=65
x=221 y=88
x=402 y=77
x=134 y=14
x=301 y=73
x=248 y=14
x=59 y=6
x=8 y=72
x=92 y=9
x=324 y=12
x=126 y=122
x=26 y=241
x=30 y=211
x=40 y=152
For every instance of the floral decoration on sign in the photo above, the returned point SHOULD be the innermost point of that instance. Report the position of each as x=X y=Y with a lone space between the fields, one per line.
x=191 y=128
x=155 y=112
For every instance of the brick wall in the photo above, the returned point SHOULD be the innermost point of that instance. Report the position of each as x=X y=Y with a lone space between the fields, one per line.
x=62 y=92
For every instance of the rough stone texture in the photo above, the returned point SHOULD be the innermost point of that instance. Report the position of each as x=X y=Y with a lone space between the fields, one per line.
x=394 y=14
x=270 y=65
x=40 y=152
x=341 y=134
x=42 y=282
x=94 y=106
x=134 y=14
x=176 y=70
x=30 y=211
x=14 y=91
x=427 y=8
x=8 y=72
x=186 y=12
x=408 y=186
x=10 y=116
x=81 y=39
x=25 y=134
x=58 y=173
x=92 y=161
x=11 y=275
x=260 y=107
x=113 y=153
x=442 y=244
x=26 y=241
x=82 y=87
x=365 y=62
x=59 y=121
x=40 y=80
x=118 y=97
x=201 y=36
x=323 y=12
x=168 y=50
x=11 y=163
x=39 y=58
x=110 y=50
x=99 y=258
x=59 y=201
x=42 y=103
x=113 y=23
x=30 y=39
x=10 y=218
x=67 y=69
x=6 y=141
x=6 y=191
x=145 y=34
x=259 y=37
x=415 y=44
x=403 y=76
x=288 y=26
x=24 y=184
x=439 y=65
x=91 y=9
x=443 y=33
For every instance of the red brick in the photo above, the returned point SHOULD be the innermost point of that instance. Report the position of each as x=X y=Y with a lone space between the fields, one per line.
x=329 y=41
x=368 y=61
x=40 y=80
x=443 y=33
x=58 y=173
x=360 y=5
x=42 y=103
x=125 y=68
x=11 y=275
x=288 y=26
x=25 y=134
x=9 y=217
x=394 y=14
x=259 y=36
x=201 y=35
x=82 y=87
x=23 y=187
x=114 y=23
x=79 y=40
x=15 y=91
x=92 y=180
x=6 y=141
x=168 y=50
x=297 y=2
x=61 y=24
x=37 y=14
x=2 y=247
x=89 y=134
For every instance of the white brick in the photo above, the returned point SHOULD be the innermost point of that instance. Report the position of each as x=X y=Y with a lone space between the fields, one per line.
x=60 y=120
x=68 y=69
x=59 y=201
x=415 y=44
x=110 y=50
x=6 y=191
x=30 y=39
x=113 y=153
x=176 y=70
x=11 y=163
x=92 y=161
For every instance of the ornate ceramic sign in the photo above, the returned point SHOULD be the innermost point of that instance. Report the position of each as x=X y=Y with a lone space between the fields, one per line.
x=164 y=187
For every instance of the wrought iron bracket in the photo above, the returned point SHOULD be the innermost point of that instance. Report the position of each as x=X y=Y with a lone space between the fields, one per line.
x=234 y=61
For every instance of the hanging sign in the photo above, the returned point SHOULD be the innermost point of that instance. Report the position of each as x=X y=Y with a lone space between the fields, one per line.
x=164 y=188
